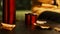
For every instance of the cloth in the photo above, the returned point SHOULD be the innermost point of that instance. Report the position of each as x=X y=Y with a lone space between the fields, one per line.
x=50 y=16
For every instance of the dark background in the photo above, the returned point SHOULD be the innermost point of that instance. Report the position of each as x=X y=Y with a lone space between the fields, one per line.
x=0 y=4
x=21 y=5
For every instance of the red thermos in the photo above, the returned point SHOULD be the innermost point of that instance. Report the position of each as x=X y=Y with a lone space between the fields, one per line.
x=33 y=20
x=28 y=19
x=9 y=11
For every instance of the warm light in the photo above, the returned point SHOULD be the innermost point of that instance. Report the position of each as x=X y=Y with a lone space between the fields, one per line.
x=41 y=22
x=45 y=27
x=7 y=26
x=57 y=28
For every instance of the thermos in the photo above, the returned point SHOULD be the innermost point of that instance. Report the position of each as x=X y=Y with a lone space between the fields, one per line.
x=30 y=19
x=9 y=12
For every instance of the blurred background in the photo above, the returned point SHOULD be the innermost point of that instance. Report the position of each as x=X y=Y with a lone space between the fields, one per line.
x=0 y=10
x=23 y=4
x=21 y=7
